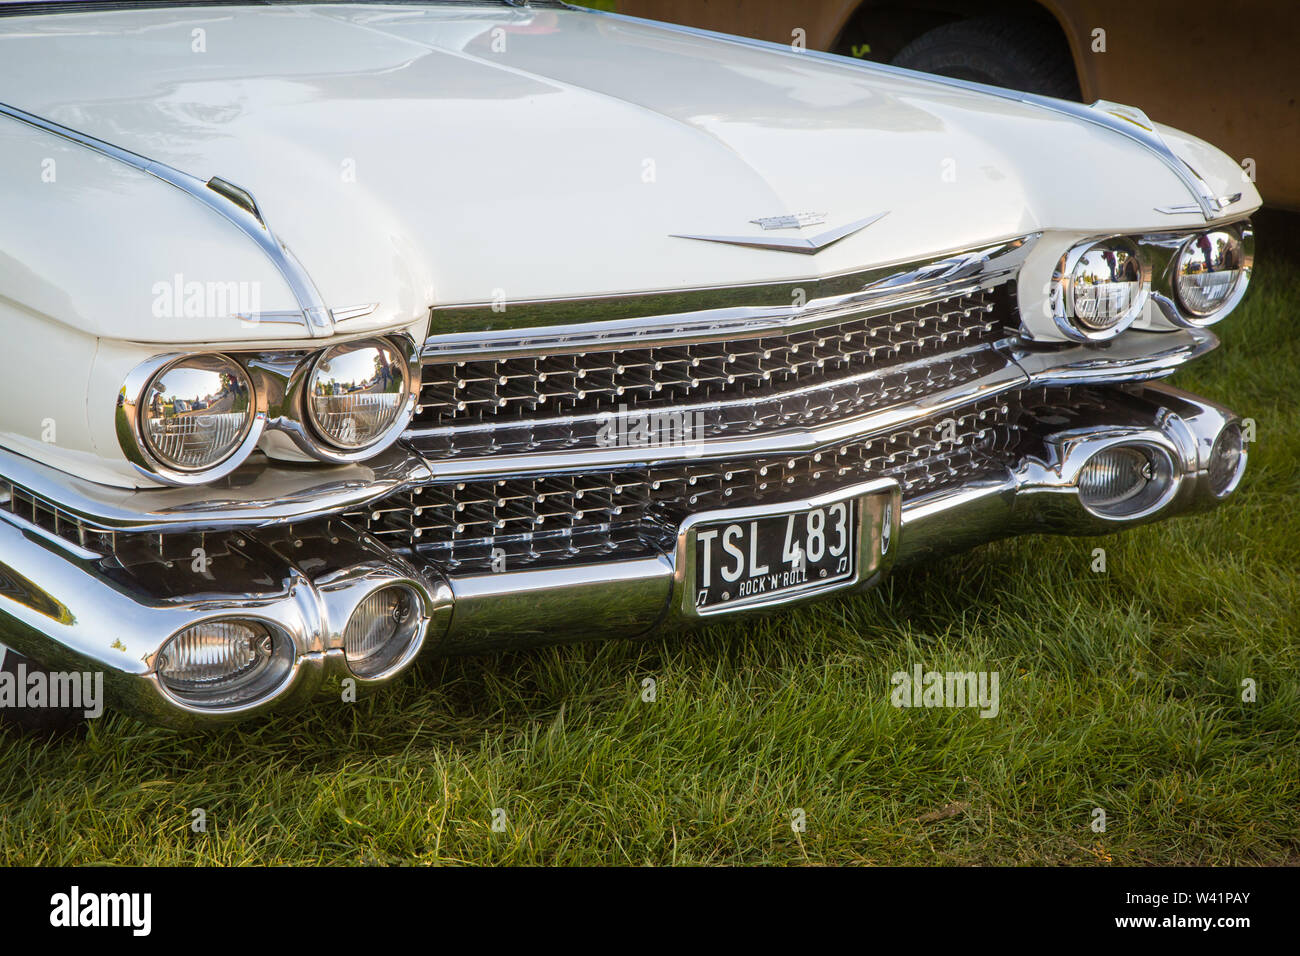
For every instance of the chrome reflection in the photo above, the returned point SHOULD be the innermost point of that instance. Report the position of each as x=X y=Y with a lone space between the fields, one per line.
x=1208 y=268
x=197 y=412
x=1099 y=289
x=356 y=393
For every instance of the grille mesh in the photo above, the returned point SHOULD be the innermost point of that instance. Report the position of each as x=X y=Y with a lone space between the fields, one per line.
x=551 y=519
x=508 y=390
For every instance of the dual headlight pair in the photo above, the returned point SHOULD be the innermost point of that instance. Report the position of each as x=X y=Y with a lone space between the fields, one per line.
x=194 y=419
x=1102 y=287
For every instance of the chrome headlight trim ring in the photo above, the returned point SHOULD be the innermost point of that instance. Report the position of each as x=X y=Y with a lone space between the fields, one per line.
x=285 y=378
x=1063 y=294
x=130 y=426
x=1166 y=249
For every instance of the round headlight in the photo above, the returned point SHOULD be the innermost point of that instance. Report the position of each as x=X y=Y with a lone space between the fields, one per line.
x=196 y=412
x=1102 y=289
x=1209 y=268
x=357 y=393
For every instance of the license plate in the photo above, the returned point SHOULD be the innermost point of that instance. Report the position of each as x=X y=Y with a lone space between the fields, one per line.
x=769 y=555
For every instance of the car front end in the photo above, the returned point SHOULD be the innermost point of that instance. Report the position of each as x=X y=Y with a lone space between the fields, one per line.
x=740 y=327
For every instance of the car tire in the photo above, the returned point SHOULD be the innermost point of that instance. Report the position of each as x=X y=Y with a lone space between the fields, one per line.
x=45 y=721
x=1012 y=52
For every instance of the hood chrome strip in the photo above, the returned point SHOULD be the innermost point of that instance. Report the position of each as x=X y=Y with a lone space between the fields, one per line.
x=233 y=203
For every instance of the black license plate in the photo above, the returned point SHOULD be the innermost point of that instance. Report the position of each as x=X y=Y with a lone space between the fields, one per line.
x=771 y=557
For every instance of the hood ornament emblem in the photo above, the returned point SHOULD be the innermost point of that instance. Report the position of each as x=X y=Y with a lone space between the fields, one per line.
x=806 y=247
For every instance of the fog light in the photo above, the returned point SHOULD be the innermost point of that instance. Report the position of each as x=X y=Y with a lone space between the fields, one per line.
x=1227 y=460
x=1124 y=481
x=386 y=624
x=221 y=662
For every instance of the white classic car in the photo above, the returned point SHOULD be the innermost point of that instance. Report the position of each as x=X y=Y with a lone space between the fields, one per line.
x=338 y=333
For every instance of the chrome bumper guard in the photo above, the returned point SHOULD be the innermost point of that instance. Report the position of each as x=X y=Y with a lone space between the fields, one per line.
x=74 y=611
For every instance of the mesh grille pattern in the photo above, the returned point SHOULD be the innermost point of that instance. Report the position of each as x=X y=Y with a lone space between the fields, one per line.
x=549 y=519
x=515 y=389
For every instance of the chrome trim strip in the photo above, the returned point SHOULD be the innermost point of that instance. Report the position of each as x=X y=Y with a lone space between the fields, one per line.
x=261 y=493
x=1223 y=202
x=222 y=198
x=1127 y=121
x=1134 y=357
x=551 y=326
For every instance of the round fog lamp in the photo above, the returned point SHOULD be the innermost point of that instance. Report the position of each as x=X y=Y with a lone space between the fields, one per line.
x=1123 y=481
x=1208 y=269
x=196 y=412
x=1225 y=461
x=385 y=624
x=221 y=661
x=357 y=392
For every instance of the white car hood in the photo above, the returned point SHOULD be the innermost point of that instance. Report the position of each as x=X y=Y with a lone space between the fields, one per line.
x=464 y=153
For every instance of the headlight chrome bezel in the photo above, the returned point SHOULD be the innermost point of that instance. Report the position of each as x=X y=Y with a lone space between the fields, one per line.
x=1063 y=294
x=131 y=430
x=325 y=443
x=285 y=378
x=1167 y=250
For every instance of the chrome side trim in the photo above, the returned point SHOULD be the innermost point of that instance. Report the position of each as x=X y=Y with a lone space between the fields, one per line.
x=550 y=326
x=1127 y=121
x=260 y=493
x=231 y=202
x=1134 y=357
x=1223 y=202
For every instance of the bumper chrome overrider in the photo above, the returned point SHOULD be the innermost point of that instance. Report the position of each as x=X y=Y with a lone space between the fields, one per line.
x=73 y=610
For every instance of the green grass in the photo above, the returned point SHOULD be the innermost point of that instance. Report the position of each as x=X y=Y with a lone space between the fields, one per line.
x=1119 y=691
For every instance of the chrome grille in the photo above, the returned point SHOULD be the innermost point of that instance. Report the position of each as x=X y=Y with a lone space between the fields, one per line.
x=538 y=403
x=549 y=519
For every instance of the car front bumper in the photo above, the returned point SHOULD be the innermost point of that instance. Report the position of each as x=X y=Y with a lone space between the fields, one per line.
x=72 y=610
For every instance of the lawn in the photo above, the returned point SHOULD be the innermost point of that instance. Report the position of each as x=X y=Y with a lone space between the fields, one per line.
x=1120 y=691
